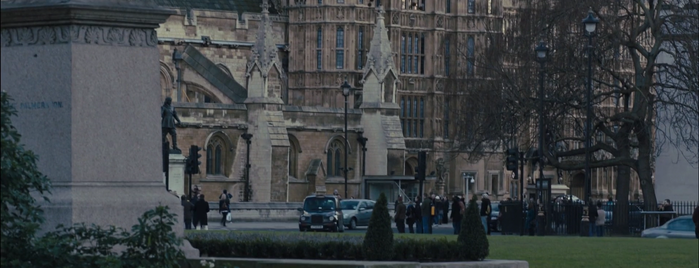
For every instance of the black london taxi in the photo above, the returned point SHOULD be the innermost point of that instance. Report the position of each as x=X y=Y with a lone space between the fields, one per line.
x=321 y=213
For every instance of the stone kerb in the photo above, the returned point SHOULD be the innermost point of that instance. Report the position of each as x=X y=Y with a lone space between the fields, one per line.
x=259 y=211
x=294 y=263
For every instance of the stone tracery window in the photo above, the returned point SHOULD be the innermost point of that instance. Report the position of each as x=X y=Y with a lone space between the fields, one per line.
x=339 y=51
x=216 y=154
x=335 y=155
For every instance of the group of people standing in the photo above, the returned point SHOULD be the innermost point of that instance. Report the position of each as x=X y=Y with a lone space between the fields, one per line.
x=196 y=210
x=422 y=214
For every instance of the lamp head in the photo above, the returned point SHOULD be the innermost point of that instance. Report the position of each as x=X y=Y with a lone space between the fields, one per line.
x=541 y=51
x=346 y=88
x=590 y=22
x=176 y=56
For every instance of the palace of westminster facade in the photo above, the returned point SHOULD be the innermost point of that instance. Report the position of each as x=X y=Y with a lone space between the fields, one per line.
x=273 y=69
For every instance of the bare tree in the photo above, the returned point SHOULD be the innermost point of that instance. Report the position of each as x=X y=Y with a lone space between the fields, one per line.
x=639 y=95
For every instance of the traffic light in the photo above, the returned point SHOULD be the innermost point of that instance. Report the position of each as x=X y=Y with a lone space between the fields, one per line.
x=512 y=159
x=193 y=162
x=421 y=166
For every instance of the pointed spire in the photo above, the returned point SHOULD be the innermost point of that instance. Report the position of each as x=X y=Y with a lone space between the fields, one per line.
x=264 y=51
x=380 y=57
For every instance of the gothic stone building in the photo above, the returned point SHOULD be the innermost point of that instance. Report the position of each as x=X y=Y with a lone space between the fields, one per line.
x=274 y=70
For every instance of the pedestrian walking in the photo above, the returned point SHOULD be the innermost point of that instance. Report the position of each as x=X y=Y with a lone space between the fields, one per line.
x=601 y=218
x=187 y=207
x=201 y=208
x=485 y=212
x=592 y=219
x=410 y=216
x=224 y=209
x=438 y=207
x=400 y=215
x=445 y=210
x=531 y=215
x=427 y=212
x=457 y=210
x=418 y=215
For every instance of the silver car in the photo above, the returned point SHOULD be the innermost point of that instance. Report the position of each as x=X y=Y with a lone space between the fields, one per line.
x=357 y=212
x=680 y=227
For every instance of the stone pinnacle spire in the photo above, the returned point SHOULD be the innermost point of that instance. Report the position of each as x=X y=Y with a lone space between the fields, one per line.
x=380 y=57
x=264 y=51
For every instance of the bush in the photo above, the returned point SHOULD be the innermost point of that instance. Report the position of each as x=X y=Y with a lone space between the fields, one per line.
x=472 y=238
x=20 y=216
x=378 y=241
x=316 y=247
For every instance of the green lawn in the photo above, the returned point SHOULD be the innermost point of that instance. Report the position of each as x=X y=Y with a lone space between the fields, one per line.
x=557 y=252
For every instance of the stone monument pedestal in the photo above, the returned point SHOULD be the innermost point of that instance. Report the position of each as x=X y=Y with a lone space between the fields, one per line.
x=85 y=79
x=176 y=174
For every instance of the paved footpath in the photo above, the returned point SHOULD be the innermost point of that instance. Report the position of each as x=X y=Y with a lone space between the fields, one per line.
x=293 y=226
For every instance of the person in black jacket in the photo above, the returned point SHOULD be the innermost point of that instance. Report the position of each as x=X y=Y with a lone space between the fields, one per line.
x=457 y=209
x=592 y=217
x=201 y=208
x=187 y=207
x=410 y=216
x=485 y=212
x=418 y=214
x=445 y=210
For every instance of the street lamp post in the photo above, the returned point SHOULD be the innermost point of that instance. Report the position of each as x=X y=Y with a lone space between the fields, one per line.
x=346 y=88
x=362 y=140
x=246 y=192
x=590 y=24
x=176 y=59
x=541 y=53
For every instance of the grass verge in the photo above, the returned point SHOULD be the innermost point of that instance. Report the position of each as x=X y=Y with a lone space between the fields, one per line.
x=556 y=251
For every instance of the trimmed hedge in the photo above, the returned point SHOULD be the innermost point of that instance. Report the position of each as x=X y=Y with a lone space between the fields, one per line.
x=317 y=247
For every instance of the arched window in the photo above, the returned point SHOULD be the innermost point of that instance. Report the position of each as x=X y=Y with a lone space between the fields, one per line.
x=216 y=156
x=471 y=6
x=335 y=156
x=339 y=51
x=294 y=150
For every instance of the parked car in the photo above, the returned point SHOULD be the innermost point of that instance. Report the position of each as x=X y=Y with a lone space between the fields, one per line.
x=356 y=212
x=321 y=213
x=574 y=198
x=635 y=217
x=680 y=227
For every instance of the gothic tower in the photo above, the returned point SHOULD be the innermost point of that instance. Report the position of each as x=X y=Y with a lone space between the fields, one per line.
x=380 y=118
x=270 y=142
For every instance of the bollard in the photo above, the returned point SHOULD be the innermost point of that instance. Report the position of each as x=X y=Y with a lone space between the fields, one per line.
x=585 y=224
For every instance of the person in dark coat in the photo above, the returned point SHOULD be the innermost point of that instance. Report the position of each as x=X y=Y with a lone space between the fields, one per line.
x=418 y=215
x=187 y=207
x=201 y=208
x=485 y=212
x=666 y=206
x=400 y=215
x=445 y=210
x=457 y=210
x=410 y=216
x=529 y=223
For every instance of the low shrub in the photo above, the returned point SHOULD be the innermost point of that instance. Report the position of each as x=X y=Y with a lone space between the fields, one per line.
x=317 y=247
x=378 y=240
x=472 y=238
